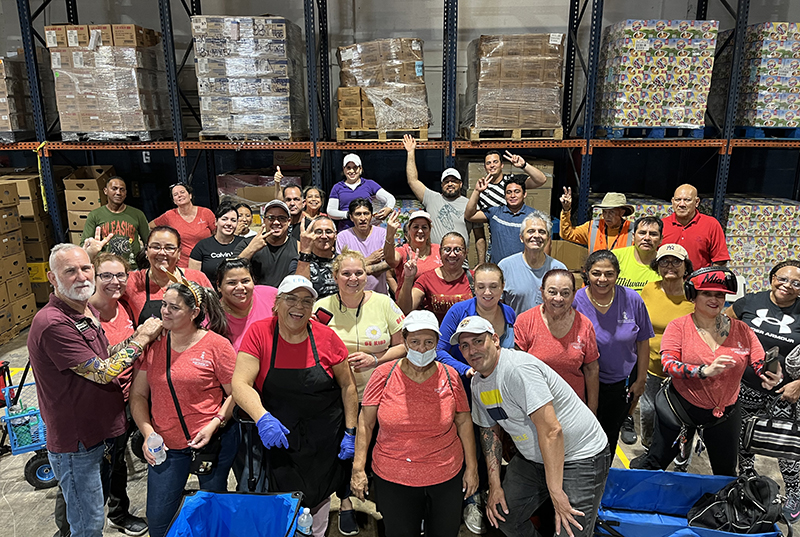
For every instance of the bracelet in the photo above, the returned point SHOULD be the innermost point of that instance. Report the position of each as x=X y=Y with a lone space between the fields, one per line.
x=376 y=359
x=305 y=257
x=390 y=243
x=133 y=343
x=222 y=420
x=350 y=431
x=701 y=372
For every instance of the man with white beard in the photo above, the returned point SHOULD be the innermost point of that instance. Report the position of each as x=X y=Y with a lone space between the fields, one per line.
x=74 y=369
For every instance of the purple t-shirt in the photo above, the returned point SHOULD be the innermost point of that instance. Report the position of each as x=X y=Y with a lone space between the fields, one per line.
x=373 y=242
x=367 y=188
x=263 y=300
x=74 y=408
x=617 y=331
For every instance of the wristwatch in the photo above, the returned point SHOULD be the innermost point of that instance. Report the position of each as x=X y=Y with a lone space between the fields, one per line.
x=305 y=257
x=701 y=372
x=222 y=420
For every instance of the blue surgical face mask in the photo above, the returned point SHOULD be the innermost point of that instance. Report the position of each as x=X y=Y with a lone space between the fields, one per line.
x=421 y=359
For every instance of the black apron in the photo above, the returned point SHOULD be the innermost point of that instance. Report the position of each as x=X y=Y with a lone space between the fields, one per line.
x=151 y=308
x=309 y=403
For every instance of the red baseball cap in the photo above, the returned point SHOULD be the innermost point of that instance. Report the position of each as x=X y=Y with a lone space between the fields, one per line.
x=712 y=280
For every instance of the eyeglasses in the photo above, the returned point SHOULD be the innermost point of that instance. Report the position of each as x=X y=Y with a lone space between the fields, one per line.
x=455 y=250
x=294 y=300
x=273 y=217
x=667 y=262
x=155 y=248
x=121 y=277
x=783 y=281
x=328 y=232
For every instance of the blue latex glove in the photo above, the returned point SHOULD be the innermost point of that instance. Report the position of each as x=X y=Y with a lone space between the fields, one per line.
x=348 y=448
x=272 y=431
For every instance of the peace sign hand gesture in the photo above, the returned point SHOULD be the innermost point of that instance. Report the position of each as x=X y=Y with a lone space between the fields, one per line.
x=93 y=246
x=307 y=237
x=515 y=160
x=483 y=183
x=410 y=266
x=566 y=199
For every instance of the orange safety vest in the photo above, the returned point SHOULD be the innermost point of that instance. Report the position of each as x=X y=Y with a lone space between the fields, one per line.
x=599 y=226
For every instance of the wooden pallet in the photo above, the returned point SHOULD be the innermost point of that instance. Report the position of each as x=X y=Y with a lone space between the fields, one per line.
x=25 y=323
x=653 y=133
x=789 y=133
x=474 y=134
x=253 y=137
x=349 y=135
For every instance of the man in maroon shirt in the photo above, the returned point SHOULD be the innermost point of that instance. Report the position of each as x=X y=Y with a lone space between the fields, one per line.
x=700 y=234
x=74 y=369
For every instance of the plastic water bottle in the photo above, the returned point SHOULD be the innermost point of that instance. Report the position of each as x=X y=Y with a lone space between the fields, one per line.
x=304 y=522
x=155 y=445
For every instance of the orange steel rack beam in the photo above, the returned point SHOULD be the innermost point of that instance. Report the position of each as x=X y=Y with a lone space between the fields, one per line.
x=664 y=142
x=19 y=146
x=518 y=144
x=107 y=146
x=247 y=146
x=765 y=143
x=375 y=145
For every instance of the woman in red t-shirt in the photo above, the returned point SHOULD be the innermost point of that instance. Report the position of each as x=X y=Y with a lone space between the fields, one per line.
x=181 y=390
x=440 y=288
x=192 y=222
x=705 y=353
x=561 y=337
x=424 y=440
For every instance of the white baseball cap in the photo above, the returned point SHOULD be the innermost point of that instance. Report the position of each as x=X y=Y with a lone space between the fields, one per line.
x=421 y=320
x=352 y=157
x=420 y=214
x=472 y=325
x=451 y=172
x=294 y=282
x=275 y=203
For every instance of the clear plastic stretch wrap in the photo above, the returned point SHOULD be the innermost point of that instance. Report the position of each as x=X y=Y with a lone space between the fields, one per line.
x=655 y=73
x=514 y=81
x=16 y=108
x=391 y=75
x=250 y=76
x=769 y=90
x=111 y=93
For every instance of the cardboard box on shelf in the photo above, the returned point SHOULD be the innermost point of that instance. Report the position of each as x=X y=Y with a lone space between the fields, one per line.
x=41 y=292
x=571 y=254
x=77 y=220
x=37 y=272
x=10 y=243
x=36 y=251
x=259 y=194
x=18 y=286
x=31 y=208
x=349 y=97
x=539 y=198
x=84 y=200
x=9 y=219
x=129 y=35
x=106 y=34
x=77 y=35
x=349 y=118
x=23 y=308
x=9 y=196
x=27 y=184
x=37 y=230
x=89 y=178
x=75 y=237
x=55 y=35
x=4 y=301
x=12 y=265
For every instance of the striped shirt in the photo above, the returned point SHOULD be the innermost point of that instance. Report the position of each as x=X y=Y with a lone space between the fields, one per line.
x=495 y=193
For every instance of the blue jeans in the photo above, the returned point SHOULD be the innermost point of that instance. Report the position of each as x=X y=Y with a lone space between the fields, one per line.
x=165 y=482
x=525 y=489
x=82 y=475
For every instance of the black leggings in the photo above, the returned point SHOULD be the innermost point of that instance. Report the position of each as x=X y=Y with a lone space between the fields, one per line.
x=612 y=409
x=721 y=440
x=404 y=508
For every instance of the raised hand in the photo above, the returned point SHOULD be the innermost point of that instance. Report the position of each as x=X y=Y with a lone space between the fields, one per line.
x=410 y=267
x=278 y=176
x=383 y=213
x=483 y=183
x=392 y=225
x=566 y=199
x=93 y=245
x=409 y=142
x=515 y=160
x=307 y=237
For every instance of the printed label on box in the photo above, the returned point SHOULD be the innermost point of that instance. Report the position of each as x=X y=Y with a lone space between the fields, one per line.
x=556 y=39
x=50 y=37
x=72 y=38
x=641 y=44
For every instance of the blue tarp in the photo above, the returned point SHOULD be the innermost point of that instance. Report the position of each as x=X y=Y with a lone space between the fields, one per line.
x=232 y=514
x=654 y=503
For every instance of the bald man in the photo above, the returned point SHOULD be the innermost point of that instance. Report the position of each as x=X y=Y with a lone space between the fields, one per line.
x=700 y=234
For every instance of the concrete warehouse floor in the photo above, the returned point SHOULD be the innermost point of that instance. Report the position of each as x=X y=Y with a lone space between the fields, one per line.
x=26 y=512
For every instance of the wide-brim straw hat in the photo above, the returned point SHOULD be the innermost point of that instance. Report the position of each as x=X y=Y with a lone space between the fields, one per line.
x=612 y=200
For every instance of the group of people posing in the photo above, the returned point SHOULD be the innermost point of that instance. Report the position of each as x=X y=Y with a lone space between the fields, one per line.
x=363 y=366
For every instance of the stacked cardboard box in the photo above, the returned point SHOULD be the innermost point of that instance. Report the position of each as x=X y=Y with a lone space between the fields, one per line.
x=655 y=73
x=390 y=73
x=642 y=205
x=83 y=194
x=16 y=108
x=355 y=110
x=514 y=81
x=250 y=76
x=17 y=303
x=37 y=227
x=110 y=81
x=768 y=90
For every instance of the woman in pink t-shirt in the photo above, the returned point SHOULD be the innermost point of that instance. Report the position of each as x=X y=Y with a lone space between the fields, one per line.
x=192 y=222
x=243 y=301
x=705 y=353
x=418 y=240
x=181 y=390
x=561 y=337
x=425 y=437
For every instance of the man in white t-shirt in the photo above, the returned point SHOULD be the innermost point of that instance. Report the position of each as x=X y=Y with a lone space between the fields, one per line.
x=446 y=209
x=563 y=451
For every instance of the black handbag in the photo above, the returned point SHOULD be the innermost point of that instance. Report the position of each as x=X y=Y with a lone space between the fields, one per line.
x=204 y=459
x=771 y=436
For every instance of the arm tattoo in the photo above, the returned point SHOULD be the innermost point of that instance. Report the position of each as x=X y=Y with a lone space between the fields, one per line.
x=676 y=369
x=104 y=371
x=723 y=325
x=492 y=449
x=114 y=349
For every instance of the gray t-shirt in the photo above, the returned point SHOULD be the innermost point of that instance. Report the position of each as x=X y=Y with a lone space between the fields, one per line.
x=521 y=384
x=447 y=215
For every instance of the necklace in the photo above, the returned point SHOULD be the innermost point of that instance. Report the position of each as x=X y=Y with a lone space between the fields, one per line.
x=599 y=305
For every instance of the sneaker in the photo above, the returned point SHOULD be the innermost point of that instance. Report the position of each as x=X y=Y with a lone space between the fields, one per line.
x=347 y=522
x=474 y=520
x=792 y=509
x=628 y=433
x=683 y=458
x=129 y=525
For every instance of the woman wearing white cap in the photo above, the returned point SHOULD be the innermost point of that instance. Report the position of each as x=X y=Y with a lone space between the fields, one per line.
x=425 y=438
x=418 y=245
x=293 y=379
x=354 y=187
